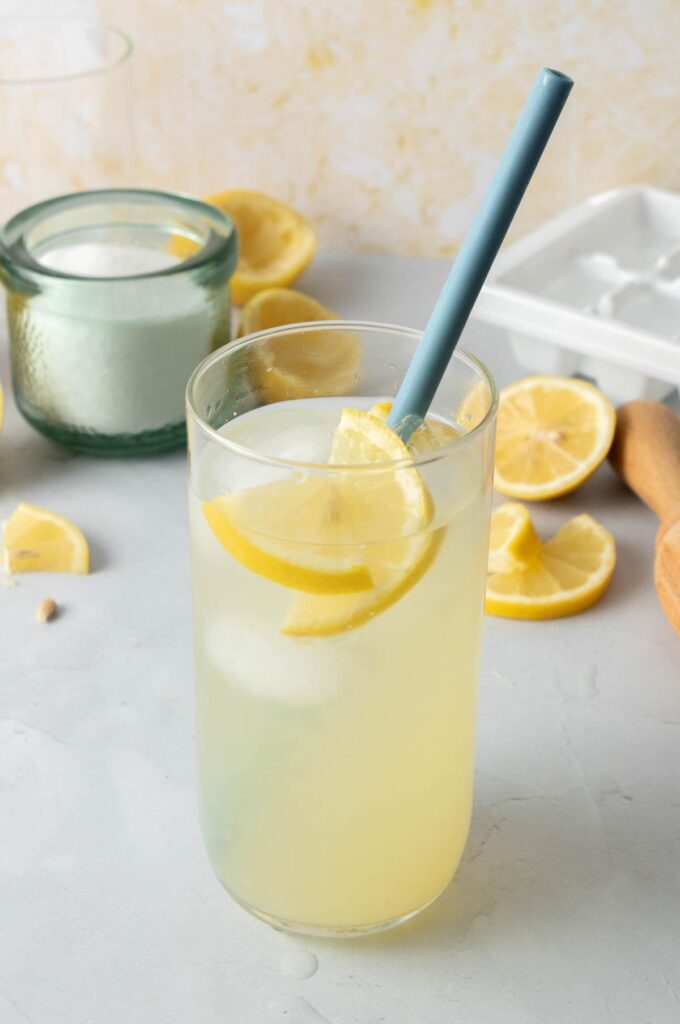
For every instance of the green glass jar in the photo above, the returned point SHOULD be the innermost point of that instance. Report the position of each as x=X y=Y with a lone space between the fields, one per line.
x=114 y=297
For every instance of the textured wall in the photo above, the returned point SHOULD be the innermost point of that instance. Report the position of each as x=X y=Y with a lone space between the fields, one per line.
x=383 y=119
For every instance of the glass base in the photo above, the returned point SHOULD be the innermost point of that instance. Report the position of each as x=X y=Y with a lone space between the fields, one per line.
x=328 y=932
x=150 y=442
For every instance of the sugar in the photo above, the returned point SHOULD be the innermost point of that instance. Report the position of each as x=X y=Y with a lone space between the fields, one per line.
x=88 y=259
x=96 y=361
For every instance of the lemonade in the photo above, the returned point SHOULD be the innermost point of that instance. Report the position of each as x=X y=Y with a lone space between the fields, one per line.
x=335 y=724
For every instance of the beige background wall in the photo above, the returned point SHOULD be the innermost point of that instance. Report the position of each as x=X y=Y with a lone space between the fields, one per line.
x=383 y=119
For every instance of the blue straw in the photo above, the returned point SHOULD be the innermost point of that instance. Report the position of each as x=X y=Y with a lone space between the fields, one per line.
x=464 y=283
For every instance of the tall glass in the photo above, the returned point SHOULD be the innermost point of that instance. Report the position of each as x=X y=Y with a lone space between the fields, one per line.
x=66 y=108
x=335 y=732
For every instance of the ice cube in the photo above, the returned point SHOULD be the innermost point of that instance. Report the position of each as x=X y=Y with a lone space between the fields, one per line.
x=255 y=656
x=297 y=431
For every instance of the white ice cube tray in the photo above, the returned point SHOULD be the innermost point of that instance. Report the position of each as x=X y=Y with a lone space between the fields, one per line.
x=596 y=292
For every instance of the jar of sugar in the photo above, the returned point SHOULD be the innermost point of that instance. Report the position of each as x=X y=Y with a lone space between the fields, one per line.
x=113 y=298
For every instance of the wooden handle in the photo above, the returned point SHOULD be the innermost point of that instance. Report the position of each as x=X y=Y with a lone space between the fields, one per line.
x=646 y=454
x=667 y=575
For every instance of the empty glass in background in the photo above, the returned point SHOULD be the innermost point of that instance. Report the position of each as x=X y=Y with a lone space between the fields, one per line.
x=66 y=109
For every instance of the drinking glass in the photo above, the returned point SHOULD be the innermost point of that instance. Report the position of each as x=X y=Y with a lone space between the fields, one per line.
x=66 y=109
x=335 y=732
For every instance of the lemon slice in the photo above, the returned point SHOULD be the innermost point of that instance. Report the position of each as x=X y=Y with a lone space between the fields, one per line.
x=563 y=576
x=351 y=543
x=392 y=504
x=36 y=540
x=431 y=434
x=327 y=616
x=275 y=242
x=513 y=541
x=552 y=433
x=284 y=532
x=299 y=365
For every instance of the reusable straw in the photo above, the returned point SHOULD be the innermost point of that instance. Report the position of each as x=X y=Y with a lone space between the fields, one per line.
x=459 y=294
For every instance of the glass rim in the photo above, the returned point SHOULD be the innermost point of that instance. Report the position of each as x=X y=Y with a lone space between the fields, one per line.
x=369 y=326
x=103 y=69
x=17 y=227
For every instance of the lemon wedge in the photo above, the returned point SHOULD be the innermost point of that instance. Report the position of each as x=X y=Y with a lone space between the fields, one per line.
x=552 y=433
x=36 y=540
x=275 y=242
x=351 y=543
x=533 y=580
x=299 y=365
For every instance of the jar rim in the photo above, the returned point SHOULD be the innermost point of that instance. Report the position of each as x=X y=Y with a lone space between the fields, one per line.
x=16 y=256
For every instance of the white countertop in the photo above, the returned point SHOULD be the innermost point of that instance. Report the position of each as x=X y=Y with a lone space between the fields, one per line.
x=566 y=907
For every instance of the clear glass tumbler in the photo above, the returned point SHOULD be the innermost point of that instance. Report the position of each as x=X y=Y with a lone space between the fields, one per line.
x=336 y=714
x=66 y=108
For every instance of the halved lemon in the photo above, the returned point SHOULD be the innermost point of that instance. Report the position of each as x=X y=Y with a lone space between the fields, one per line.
x=299 y=365
x=275 y=242
x=563 y=576
x=36 y=540
x=431 y=434
x=552 y=433
x=275 y=307
x=356 y=542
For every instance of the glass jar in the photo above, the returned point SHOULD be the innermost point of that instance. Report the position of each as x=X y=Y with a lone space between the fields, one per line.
x=113 y=298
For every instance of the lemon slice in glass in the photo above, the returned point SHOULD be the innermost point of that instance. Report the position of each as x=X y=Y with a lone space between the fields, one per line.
x=394 y=524
x=288 y=532
x=352 y=543
x=431 y=434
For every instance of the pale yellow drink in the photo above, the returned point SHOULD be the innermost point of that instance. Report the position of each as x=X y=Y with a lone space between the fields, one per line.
x=336 y=770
